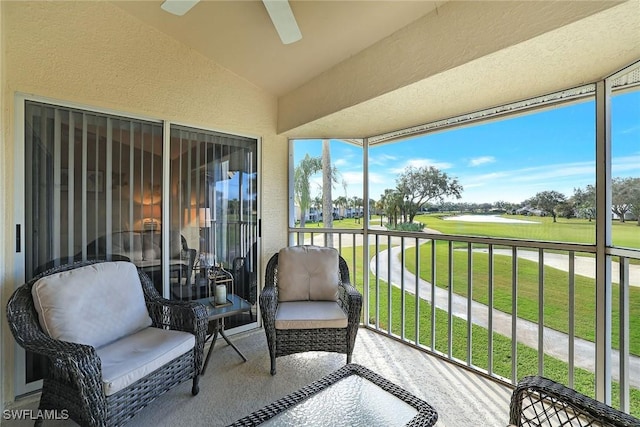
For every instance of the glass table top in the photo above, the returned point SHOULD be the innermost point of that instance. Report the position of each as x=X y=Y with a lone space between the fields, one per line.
x=352 y=401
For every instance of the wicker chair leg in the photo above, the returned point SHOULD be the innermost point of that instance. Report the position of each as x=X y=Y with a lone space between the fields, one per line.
x=348 y=358
x=196 y=388
x=273 y=364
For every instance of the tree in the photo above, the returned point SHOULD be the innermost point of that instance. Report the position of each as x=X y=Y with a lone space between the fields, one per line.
x=585 y=202
x=327 y=177
x=501 y=205
x=634 y=197
x=316 y=204
x=341 y=203
x=302 y=174
x=391 y=202
x=357 y=203
x=566 y=209
x=419 y=185
x=548 y=201
x=623 y=192
x=380 y=209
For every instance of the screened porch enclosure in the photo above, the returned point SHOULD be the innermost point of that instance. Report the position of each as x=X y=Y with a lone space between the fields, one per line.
x=501 y=282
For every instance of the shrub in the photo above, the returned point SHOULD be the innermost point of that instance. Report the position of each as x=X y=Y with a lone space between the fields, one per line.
x=406 y=226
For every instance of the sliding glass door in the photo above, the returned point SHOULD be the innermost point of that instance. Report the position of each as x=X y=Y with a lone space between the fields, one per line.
x=92 y=183
x=214 y=204
x=96 y=187
x=87 y=177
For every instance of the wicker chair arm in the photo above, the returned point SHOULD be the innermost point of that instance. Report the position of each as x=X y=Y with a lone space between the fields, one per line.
x=67 y=361
x=269 y=305
x=351 y=302
x=187 y=316
x=534 y=393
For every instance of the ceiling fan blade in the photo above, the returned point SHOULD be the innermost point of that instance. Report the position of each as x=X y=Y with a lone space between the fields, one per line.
x=283 y=19
x=178 y=7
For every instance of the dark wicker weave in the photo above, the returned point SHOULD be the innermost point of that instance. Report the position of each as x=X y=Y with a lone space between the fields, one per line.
x=427 y=416
x=73 y=381
x=284 y=342
x=539 y=401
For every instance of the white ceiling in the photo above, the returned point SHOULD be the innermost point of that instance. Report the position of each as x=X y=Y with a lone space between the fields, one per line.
x=240 y=36
x=364 y=68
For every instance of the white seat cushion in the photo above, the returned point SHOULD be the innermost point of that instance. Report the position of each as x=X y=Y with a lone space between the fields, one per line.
x=308 y=273
x=135 y=356
x=94 y=305
x=310 y=315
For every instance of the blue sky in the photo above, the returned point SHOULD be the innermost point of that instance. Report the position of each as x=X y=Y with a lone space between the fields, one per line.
x=509 y=160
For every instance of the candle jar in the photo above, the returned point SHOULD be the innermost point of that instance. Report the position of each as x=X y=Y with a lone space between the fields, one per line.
x=221 y=294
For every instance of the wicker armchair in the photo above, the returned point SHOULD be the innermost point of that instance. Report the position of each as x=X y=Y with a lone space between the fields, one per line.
x=286 y=341
x=73 y=380
x=539 y=401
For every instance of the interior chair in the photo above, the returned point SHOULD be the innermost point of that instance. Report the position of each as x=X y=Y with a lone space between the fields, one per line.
x=111 y=343
x=308 y=303
x=182 y=272
x=144 y=249
x=78 y=257
x=538 y=401
x=245 y=275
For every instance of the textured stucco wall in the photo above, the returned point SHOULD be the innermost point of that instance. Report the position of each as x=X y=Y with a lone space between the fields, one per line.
x=94 y=54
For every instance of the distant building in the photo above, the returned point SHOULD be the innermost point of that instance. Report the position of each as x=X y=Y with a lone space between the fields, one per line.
x=529 y=211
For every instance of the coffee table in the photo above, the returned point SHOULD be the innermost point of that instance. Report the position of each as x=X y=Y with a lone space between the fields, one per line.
x=351 y=396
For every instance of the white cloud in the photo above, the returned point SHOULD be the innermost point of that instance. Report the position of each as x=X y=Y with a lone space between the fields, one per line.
x=481 y=161
x=418 y=163
x=519 y=184
x=625 y=164
x=341 y=162
x=354 y=179
x=381 y=159
x=379 y=178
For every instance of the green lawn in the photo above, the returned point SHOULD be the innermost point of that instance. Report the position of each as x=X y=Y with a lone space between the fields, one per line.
x=527 y=358
x=543 y=228
x=564 y=230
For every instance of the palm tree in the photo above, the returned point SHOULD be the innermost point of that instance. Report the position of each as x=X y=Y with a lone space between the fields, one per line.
x=328 y=176
x=380 y=209
x=302 y=174
x=341 y=202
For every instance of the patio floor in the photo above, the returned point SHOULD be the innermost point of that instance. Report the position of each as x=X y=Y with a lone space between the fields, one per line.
x=232 y=389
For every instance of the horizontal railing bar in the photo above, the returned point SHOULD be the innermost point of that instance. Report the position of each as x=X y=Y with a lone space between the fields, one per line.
x=623 y=252
x=327 y=230
x=521 y=243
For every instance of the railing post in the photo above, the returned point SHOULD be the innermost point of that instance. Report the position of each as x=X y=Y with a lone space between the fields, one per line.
x=365 y=231
x=623 y=372
x=603 y=241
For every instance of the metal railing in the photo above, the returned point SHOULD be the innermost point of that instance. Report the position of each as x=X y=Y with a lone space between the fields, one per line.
x=504 y=308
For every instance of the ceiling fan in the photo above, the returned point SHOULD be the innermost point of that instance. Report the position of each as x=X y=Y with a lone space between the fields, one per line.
x=279 y=11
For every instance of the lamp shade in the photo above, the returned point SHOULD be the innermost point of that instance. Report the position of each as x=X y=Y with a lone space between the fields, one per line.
x=204 y=217
x=151 y=211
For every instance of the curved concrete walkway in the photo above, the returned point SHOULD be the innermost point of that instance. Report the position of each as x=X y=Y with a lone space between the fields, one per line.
x=554 y=343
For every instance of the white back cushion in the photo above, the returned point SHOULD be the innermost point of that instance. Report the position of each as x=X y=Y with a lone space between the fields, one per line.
x=308 y=273
x=93 y=305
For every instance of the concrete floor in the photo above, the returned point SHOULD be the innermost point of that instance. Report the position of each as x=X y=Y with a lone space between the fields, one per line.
x=232 y=389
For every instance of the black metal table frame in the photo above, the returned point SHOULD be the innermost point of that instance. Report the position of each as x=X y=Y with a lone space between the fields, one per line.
x=426 y=416
x=217 y=316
